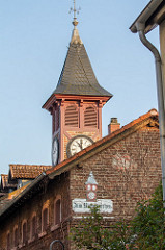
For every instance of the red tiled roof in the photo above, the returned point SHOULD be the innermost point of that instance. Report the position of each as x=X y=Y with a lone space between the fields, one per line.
x=26 y=171
x=11 y=200
x=5 y=183
x=153 y=113
x=4 y=180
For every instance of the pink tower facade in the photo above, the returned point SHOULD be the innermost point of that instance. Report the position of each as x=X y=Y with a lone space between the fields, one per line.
x=76 y=104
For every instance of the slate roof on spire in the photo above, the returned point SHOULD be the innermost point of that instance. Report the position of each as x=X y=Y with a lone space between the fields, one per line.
x=77 y=77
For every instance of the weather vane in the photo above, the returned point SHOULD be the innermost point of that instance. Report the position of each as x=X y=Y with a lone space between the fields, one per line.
x=76 y=12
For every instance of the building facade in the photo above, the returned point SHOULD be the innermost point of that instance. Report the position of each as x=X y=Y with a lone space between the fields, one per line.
x=114 y=172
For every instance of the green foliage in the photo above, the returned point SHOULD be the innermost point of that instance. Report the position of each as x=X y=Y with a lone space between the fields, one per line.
x=148 y=225
x=92 y=234
x=145 y=232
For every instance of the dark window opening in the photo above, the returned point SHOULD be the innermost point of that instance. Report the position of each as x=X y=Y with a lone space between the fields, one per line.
x=24 y=232
x=8 y=241
x=58 y=211
x=16 y=237
x=33 y=226
x=45 y=219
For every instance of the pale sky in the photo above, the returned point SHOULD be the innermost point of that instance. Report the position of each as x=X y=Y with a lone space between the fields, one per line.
x=34 y=35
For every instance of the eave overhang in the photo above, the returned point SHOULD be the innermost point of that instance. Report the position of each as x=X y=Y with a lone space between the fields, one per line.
x=151 y=16
x=56 y=97
x=28 y=192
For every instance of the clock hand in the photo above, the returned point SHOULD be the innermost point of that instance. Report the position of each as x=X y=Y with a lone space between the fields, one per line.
x=79 y=145
x=54 y=152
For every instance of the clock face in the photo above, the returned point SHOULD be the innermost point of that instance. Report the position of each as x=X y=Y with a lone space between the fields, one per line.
x=91 y=196
x=77 y=144
x=55 y=152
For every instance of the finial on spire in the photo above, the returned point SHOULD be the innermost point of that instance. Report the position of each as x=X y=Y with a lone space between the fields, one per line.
x=76 y=11
x=75 y=35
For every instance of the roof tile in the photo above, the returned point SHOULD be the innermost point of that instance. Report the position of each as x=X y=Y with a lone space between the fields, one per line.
x=26 y=171
x=77 y=77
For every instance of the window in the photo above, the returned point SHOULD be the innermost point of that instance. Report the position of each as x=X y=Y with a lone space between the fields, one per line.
x=90 y=117
x=57 y=118
x=58 y=211
x=71 y=116
x=33 y=226
x=24 y=232
x=45 y=219
x=8 y=241
x=16 y=237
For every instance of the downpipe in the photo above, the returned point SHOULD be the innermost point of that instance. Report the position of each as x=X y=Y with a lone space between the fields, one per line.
x=160 y=94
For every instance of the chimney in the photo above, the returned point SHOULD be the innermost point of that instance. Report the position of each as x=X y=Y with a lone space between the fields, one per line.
x=114 y=125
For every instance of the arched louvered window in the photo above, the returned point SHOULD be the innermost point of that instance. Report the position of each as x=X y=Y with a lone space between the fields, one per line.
x=57 y=113
x=90 y=117
x=71 y=116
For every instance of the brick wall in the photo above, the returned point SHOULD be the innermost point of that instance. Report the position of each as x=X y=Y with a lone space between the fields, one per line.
x=126 y=172
x=59 y=186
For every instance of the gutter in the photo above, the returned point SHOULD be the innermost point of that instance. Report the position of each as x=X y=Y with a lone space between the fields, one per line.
x=139 y=26
x=146 y=13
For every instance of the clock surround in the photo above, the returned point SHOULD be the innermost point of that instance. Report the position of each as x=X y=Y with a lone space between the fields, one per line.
x=78 y=143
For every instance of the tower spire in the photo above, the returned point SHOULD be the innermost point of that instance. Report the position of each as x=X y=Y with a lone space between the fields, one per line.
x=75 y=35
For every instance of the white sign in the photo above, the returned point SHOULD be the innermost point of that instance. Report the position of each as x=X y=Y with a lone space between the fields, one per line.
x=81 y=205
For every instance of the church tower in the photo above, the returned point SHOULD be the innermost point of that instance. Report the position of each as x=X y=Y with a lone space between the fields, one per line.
x=76 y=104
